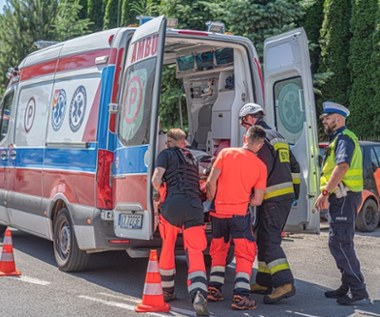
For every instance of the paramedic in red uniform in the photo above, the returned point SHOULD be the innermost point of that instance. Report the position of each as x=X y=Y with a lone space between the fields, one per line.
x=282 y=184
x=182 y=209
x=237 y=179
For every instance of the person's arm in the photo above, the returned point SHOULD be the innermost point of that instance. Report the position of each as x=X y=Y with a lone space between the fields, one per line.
x=258 y=197
x=259 y=188
x=157 y=177
x=336 y=177
x=211 y=183
x=343 y=155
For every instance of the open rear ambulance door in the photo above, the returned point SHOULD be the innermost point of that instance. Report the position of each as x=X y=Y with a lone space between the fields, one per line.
x=290 y=108
x=140 y=94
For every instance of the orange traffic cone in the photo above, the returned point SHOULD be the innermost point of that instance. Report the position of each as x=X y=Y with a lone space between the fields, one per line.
x=153 y=297
x=7 y=262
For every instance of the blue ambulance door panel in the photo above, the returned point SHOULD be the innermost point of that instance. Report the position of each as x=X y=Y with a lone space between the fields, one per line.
x=139 y=100
x=290 y=108
x=6 y=106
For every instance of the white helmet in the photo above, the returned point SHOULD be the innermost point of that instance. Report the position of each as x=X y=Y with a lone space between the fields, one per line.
x=250 y=108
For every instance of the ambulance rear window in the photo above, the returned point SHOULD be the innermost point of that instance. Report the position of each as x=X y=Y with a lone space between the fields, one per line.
x=224 y=56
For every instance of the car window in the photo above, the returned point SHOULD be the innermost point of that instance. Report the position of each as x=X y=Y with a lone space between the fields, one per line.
x=375 y=155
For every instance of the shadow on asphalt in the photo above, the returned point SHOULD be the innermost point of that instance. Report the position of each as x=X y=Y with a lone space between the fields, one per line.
x=119 y=273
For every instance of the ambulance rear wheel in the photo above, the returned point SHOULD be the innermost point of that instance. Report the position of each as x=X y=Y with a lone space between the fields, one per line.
x=367 y=219
x=67 y=254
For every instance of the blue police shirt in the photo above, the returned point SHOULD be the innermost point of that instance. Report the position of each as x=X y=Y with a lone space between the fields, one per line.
x=345 y=146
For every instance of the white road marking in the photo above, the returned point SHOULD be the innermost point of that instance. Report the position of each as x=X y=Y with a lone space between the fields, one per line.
x=366 y=313
x=32 y=280
x=132 y=308
x=302 y=314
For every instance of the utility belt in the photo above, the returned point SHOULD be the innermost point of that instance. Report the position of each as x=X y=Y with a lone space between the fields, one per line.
x=341 y=191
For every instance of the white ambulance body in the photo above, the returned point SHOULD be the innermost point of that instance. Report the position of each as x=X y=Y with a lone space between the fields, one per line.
x=80 y=129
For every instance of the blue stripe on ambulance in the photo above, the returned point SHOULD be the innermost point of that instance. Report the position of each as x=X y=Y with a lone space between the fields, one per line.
x=130 y=160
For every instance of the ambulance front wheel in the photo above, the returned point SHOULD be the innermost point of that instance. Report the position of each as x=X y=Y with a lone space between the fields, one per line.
x=67 y=254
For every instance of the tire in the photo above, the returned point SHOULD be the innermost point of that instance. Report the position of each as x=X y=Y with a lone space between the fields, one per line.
x=367 y=219
x=67 y=254
x=2 y=230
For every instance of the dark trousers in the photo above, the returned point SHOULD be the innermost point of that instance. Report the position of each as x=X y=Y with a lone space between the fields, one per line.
x=342 y=213
x=274 y=269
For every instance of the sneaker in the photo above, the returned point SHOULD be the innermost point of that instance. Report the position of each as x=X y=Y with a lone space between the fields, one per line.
x=243 y=303
x=354 y=297
x=214 y=294
x=340 y=292
x=169 y=296
x=200 y=305
x=281 y=292
x=260 y=289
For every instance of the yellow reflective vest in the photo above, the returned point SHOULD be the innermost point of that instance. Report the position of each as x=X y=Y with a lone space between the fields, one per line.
x=353 y=179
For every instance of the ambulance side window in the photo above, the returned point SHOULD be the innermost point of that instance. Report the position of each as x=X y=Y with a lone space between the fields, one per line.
x=5 y=110
x=290 y=108
x=136 y=105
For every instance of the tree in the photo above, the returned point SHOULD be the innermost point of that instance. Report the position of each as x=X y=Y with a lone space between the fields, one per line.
x=312 y=23
x=95 y=12
x=376 y=73
x=335 y=41
x=362 y=65
x=190 y=14
x=83 y=11
x=25 y=21
x=111 y=16
x=127 y=15
x=258 y=20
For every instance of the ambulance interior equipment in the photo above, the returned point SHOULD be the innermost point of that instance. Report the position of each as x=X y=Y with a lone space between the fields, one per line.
x=215 y=87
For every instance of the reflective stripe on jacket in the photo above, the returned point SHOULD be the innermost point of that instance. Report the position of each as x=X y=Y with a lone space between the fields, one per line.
x=353 y=179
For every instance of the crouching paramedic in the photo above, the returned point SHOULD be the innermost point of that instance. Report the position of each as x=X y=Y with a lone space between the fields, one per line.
x=181 y=210
x=235 y=175
x=282 y=187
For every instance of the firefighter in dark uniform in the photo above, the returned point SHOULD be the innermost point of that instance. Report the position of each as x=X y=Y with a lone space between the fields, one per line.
x=181 y=209
x=341 y=187
x=274 y=277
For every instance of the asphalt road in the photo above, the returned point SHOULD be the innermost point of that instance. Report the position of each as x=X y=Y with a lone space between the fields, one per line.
x=113 y=284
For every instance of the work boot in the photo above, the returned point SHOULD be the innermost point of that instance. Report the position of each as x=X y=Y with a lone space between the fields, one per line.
x=214 y=294
x=340 y=292
x=354 y=297
x=243 y=303
x=200 y=305
x=260 y=289
x=283 y=291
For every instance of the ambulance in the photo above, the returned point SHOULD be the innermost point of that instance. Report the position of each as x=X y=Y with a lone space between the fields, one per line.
x=80 y=129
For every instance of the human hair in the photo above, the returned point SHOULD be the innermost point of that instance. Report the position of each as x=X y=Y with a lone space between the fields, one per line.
x=255 y=134
x=176 y=134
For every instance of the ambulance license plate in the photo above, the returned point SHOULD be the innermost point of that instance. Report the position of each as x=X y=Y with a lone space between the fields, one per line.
x=130 y=221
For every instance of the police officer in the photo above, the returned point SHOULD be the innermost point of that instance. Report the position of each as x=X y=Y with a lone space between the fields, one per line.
x=341 y=186
x=274 y=277
x=181 y=210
